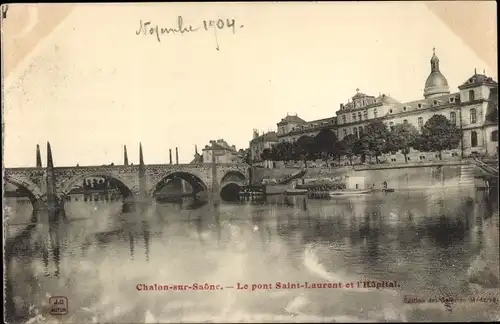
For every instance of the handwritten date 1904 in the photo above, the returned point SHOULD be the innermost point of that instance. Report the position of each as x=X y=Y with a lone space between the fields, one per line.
x=148 y=28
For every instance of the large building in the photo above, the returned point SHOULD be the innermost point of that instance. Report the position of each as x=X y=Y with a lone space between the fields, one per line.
x=224 y=153
x=261 y=142
x=473 y=109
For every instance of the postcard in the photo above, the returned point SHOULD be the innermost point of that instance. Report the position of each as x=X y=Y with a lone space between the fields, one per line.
x=250 y=162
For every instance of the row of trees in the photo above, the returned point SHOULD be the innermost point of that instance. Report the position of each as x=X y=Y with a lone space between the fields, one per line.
x=437 y=134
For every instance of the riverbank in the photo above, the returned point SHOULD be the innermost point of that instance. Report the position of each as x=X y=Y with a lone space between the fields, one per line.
x=407 y=176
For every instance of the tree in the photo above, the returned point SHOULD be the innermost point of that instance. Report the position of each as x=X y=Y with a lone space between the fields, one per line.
x=373 y=140
x=438 y=134
x=304 y=148
x=347 y=146
x=402 y=138
x=266 y=154
x=325 y=144
x=282 y=151
x=245 y=155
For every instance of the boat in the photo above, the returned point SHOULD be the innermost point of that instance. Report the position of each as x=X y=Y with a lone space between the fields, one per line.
x=295 y=192
x=352 y=192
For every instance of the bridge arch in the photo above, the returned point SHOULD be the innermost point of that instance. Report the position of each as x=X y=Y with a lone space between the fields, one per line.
x=196 y=182
x=230 y=185
x=126 y=191
x=234 y=176
x=32 y=190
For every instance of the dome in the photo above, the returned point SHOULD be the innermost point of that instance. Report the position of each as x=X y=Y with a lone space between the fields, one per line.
x=436 y=84
x=436 y=80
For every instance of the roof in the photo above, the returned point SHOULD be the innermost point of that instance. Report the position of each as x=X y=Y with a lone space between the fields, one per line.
x=291 y=119
x=198 y=158
x=387 y=99
x=442 y=101
x=491 y=117
x=478 y=79
x=217 y=147
x=361 y=95
x=267 y=137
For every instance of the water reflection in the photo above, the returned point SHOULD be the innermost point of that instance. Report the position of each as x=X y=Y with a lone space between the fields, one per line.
x=425 y=240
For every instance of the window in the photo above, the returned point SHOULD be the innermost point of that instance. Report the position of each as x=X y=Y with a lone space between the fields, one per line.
x=494 y=136
x=420 y=123
x=359 y=115
x=405 y=121
x=345 y=132
x=452 y=100
x=473 y=116
x=390 y=111
x=472 y=95
x=343 y=119
x=435 y=102
x=391 y=125
x=473 y=139
x=355 y=131
x=419 y=105
x=360 y=129
x=365 y=114
x=353 y=116
x=453 y=118
x=404 y=108
x=375 y=113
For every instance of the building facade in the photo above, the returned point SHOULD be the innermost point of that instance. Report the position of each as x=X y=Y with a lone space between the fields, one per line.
x=261 y=142
x=224 y=153
x=474 y=109
x=292 y=128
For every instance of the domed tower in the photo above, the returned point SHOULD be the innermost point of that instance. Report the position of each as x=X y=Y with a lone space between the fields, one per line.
x=436 y=84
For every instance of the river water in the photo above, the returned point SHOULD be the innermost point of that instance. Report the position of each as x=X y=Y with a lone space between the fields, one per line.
x=423 y=241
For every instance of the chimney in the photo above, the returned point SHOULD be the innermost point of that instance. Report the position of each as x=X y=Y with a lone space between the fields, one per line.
x=176 y=155
x=196 y=150
x=341 y=106
x=170 y=155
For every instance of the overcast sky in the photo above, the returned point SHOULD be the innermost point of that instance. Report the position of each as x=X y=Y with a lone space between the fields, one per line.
x=93 y=85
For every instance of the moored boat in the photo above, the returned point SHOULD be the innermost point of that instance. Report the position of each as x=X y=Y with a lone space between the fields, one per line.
x=351 y=192
x=294 y=192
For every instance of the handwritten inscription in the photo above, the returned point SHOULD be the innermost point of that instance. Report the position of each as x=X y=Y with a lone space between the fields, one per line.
x=147 y=28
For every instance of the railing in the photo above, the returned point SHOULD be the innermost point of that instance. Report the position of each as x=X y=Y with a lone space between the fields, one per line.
x=487 y=168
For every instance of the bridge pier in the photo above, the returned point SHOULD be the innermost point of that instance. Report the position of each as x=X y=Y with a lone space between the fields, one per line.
x=48 y=212
x=129 y=205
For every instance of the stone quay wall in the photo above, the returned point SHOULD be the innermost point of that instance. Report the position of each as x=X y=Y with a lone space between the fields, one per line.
x=398 y=176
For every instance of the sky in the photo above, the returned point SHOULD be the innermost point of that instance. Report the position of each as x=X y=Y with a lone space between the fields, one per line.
x=94 y=85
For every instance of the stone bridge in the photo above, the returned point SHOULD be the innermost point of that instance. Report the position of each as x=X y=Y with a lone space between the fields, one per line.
x=135 y=182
